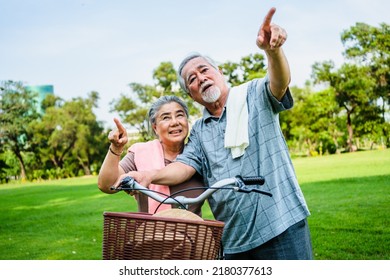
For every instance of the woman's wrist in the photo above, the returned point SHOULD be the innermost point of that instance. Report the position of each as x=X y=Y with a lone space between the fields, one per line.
x=114 y=150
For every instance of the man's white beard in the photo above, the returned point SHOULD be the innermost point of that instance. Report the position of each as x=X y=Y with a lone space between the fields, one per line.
x=211 y=94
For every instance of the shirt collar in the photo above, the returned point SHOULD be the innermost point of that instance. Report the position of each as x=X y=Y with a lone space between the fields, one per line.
x=207 y=116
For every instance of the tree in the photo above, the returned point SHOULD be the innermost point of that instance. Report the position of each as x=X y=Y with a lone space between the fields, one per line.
x=362 y=84
x=352 y=86
x=17 y=110
x=370 y=46
x=90 y=146
x=313 y=124
x=68 y=136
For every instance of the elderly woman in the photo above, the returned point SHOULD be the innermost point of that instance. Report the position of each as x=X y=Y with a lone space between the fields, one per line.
x=168 y=117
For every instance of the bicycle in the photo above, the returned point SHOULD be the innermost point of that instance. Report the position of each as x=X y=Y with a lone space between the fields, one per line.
x=143 y=236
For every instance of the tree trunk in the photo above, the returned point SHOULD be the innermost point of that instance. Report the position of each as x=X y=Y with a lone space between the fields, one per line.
x=387 y=137
x=65 y=152
x=23 y=173
x=87 y=170
x=350 y=132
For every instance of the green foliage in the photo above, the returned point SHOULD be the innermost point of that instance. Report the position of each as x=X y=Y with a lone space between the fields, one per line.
x=362 y=87
x=370 y=46
x=17 y=110
x=65 y=139
x=249 y=68
x=9 y=166
x=313 y=124
x=353 y=90
x=75 y=138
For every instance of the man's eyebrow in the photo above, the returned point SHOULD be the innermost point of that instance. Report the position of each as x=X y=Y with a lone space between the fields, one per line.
x=197 y=68
x=201 y=66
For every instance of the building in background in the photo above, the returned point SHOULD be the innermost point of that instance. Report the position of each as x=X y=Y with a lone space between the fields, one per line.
x=42 y=91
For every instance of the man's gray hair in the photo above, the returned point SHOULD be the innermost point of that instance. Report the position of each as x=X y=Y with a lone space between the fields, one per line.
x=156 y=106
x=189 y=57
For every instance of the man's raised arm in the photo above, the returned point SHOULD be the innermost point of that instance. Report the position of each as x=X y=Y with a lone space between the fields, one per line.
x=270 y=38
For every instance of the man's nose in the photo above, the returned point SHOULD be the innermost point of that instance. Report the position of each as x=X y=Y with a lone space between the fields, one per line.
x=202 y=78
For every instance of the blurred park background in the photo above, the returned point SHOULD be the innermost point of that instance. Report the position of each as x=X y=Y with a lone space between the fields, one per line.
x=338 y=132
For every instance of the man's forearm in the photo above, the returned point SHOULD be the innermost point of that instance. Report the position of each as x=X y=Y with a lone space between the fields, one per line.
x=173 y=174
x=278 y=72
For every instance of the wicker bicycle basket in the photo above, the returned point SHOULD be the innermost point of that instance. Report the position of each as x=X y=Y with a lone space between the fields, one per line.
x=141 y=236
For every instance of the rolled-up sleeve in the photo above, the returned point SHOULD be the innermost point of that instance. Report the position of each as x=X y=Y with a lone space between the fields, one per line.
x=286 y=103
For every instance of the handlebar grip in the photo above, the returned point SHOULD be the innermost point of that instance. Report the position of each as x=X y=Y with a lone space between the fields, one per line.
x=125 y=184
x=253 y=180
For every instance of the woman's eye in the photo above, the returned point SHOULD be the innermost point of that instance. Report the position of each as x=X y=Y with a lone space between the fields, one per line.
x=164 y=118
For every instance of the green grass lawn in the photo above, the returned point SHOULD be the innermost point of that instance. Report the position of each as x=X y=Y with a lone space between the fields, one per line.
x=55 y=220
x=349 y=199
x=348 y=196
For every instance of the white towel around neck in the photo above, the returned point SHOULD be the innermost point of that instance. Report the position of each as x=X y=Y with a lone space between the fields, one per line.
x=236 y=133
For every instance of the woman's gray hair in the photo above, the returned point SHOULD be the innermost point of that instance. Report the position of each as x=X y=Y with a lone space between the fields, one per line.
x=189 y=57
x=156 y=106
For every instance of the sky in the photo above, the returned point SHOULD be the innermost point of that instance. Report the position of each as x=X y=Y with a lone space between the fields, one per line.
x=79 y=46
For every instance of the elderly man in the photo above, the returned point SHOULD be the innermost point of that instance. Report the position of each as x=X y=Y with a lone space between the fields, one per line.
x=239 y=134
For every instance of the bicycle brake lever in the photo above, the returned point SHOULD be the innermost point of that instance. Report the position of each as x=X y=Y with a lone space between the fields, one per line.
x=126 y=184
x=248 y=190
x=242 y=185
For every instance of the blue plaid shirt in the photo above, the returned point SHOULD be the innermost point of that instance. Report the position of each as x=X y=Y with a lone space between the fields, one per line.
x=250 y=219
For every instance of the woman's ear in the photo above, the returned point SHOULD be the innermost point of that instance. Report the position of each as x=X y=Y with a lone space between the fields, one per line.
x=154 y=127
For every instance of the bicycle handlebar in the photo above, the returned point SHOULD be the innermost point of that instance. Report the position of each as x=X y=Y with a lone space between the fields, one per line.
x=239 y=185
x=256 y=180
